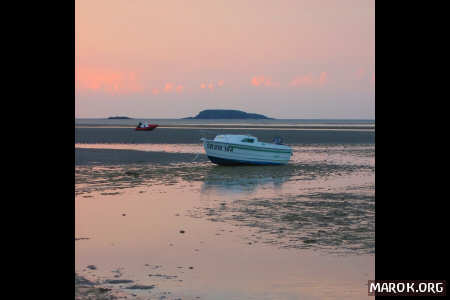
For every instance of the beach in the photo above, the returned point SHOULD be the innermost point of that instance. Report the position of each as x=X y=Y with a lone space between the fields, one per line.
x=155 y=219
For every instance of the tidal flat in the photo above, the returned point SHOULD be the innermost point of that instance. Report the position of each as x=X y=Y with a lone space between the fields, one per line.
x=159 y=221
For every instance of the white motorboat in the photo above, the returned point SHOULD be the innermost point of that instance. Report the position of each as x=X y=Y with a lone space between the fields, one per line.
x=233 y=149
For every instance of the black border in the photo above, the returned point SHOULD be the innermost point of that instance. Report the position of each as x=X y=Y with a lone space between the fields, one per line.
x=410 y=234
x=41 y=180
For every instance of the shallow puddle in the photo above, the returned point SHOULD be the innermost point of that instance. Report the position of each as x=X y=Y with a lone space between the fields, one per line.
x=137 y=234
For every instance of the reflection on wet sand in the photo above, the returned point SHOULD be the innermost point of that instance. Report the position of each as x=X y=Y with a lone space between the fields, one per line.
x=288 y=210
x=241 y=179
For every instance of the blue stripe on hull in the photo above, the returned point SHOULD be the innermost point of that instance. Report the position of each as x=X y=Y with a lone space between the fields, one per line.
x=233 y=162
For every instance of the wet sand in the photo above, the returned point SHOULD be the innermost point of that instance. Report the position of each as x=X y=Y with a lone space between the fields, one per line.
x=117 y=156
x=87 y=290
x=148 y=238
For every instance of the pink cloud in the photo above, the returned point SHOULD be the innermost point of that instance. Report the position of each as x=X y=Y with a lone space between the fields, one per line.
x=107 y=80
x=211 y=85
x=266 y=81
x=168 y=87
x=257 y=80
x=179 y=88
x=323 y=78
x=155 y=91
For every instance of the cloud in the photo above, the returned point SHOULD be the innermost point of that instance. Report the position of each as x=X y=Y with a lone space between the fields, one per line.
x=168 y=87
x=266 y=81
x=107 y=81
x=257 y=80
x=211 y=85
x=155 y=91
x=179 y=88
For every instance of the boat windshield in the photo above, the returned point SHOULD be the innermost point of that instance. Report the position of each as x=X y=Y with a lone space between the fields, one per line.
x=247 y=140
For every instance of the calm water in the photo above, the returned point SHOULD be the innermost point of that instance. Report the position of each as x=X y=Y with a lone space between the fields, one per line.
x=162 y=122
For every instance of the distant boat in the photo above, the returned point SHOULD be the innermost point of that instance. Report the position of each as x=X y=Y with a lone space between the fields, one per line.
x=233 y=149
x=146 y=126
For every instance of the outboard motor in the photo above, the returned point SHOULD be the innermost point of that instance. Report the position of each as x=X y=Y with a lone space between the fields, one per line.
x=277 y=140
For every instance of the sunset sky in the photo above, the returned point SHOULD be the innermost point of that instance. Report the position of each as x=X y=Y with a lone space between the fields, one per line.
x=170 y=59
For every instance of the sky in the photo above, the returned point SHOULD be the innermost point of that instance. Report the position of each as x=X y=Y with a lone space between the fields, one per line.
x=287 y=59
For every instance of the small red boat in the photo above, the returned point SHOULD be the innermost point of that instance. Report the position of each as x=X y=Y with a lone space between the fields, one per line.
x=146 y=126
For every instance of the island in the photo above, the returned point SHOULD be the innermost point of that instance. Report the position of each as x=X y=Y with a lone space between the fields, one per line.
x=119 y=118
x=227 y=114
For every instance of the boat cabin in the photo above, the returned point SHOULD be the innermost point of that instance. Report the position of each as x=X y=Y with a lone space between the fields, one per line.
x=234 y=138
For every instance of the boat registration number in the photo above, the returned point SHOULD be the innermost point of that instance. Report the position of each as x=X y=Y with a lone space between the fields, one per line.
x=220 y=147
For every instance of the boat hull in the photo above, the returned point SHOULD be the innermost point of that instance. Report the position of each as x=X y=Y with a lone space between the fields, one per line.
x=233 y=162
x=150 y=127
x=235 y=154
